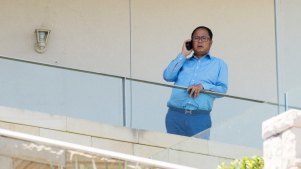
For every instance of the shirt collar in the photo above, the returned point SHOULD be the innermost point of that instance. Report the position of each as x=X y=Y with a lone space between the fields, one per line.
x=208 y=55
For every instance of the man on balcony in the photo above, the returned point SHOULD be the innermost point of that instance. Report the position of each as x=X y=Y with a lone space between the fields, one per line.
x=189 y=110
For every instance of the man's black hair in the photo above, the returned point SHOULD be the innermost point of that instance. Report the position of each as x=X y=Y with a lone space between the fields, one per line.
x=203 y=27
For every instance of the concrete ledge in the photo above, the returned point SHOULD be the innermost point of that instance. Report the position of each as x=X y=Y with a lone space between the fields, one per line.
x=101 y=130
x=159 y=139
x=32 y=118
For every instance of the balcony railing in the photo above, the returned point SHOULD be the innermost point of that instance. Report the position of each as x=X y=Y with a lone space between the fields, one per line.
x=123 y=101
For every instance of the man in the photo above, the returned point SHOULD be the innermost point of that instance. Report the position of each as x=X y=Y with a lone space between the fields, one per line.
x=189 y=110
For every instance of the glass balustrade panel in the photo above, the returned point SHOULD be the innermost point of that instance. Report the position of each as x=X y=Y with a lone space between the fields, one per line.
x=230 y=116
x=63 y=92
x=288 y=16
x=236 y=129
x=149 y=106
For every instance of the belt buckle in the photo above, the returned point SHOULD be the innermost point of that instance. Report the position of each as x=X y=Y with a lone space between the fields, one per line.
x=188 y=111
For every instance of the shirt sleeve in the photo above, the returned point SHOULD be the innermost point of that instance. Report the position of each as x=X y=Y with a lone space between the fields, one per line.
x=221 y=85
x=170 y=74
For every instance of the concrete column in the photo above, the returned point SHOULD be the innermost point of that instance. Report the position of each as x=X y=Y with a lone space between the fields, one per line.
x=282 y=141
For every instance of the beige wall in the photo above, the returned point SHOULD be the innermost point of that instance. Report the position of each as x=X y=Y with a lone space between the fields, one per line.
x=95 y=35
x=91 y=35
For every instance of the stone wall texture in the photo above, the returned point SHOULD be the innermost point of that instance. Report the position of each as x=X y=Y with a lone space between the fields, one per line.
x=282 y=141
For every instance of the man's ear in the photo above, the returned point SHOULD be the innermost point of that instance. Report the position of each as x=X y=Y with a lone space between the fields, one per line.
x=211 y=42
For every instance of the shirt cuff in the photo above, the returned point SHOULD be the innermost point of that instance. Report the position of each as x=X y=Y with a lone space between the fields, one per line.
x=205 y=86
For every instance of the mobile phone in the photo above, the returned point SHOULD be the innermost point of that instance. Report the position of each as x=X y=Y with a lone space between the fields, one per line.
x=188 y=45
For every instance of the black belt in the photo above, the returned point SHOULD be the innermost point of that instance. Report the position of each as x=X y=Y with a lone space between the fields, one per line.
x=186 y=111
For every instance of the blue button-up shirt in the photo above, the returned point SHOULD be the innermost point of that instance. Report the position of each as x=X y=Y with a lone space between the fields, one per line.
x=209 y=71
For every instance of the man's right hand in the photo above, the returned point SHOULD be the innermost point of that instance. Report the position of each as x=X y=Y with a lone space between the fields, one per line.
x=186 y=52
x=194 y=91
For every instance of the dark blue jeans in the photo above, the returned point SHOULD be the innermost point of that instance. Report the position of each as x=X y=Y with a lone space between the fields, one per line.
x=187 y=124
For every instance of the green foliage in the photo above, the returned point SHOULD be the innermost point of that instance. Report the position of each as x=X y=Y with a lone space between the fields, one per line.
x=245 y=163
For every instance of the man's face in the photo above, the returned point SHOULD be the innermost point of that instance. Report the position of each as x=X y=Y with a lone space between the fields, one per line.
x=201 y=42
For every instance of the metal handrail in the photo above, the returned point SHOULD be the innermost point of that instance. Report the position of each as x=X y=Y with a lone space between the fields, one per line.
x=96 y=151
x=148 y=82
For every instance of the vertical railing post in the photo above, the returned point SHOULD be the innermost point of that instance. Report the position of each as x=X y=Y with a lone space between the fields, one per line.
x=124 y=100
x=285 y=101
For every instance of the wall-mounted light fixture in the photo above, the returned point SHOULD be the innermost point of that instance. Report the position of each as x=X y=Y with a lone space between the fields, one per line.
x=42 y=39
